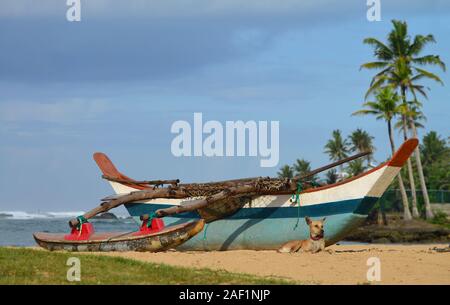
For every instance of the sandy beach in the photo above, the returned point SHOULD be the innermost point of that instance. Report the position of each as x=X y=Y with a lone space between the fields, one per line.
x=347 y=264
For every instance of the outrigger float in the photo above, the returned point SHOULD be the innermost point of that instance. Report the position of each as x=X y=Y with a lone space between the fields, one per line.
x=253 y=213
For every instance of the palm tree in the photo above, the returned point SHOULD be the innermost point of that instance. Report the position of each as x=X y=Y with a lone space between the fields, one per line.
x=436 y=159
x=356 y=167
x=415 y=113
x=399 y=62
x=386 y=108
x=432 y=148
x=337 y=147
x=361 y=141
x=302 y=167
x=332 y=176
x=396 y=79
x=286 y=172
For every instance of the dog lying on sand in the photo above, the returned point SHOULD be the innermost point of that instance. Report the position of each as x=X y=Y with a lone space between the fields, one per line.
x=314 y=244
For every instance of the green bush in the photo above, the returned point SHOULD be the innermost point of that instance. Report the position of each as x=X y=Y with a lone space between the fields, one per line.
x=440 y=218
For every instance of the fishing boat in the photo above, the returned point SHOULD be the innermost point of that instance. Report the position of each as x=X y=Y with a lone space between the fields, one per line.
x=267 y=221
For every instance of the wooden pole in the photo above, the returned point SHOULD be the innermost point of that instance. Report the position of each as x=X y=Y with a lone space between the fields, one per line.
x=334 y=164
x=149 y=182
x=140 y=195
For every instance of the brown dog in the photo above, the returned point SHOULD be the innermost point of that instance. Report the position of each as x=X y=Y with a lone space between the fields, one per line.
x=314 y=244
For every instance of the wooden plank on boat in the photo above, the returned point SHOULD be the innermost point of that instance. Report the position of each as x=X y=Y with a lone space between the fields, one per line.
x=168 y=238
x=148 y=182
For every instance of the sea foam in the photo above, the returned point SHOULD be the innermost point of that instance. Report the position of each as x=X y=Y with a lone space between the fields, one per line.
x=38 y=215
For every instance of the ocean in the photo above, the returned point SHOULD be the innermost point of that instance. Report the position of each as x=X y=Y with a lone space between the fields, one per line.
x=17 y=228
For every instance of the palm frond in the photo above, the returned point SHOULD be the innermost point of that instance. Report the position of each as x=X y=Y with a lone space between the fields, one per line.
x=419 y=43
x=430 y=60
x=398 y=39
x=382 y=73
x=381 y=51
x=418 y=88
x=399 y=125
x=429 y=75
x=364 y=112
x=377 y=84
x=415 y=104
x=374 y=65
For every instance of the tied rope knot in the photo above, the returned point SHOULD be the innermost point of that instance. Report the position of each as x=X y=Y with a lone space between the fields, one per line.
x=150 y=219
x=81 y=220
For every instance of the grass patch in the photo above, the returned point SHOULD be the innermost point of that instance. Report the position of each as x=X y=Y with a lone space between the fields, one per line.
x=29 y=266
x=440 y=218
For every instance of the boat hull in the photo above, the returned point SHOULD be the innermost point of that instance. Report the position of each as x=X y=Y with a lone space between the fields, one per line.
x=267 y=221
x=269 y=227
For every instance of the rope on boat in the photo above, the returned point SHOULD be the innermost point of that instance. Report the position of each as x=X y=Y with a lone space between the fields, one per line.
x=296 y=197
x=150 y=219
x=206 y=229
x=81 y=220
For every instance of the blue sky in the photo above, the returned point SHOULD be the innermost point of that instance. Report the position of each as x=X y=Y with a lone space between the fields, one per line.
x=117 y=80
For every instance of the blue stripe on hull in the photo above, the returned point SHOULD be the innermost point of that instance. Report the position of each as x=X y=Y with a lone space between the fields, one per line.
x=266 y=228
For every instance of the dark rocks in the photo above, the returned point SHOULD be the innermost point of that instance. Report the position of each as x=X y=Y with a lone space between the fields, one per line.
x=105 y=216
x=386 y=234
x=400 y=231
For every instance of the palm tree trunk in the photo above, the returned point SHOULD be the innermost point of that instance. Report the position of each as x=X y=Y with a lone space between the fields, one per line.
x=410 y=168
x=406 y=212
x=428 y=212
x=415 y=211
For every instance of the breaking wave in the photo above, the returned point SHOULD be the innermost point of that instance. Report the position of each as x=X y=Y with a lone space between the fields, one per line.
x=45 y=215
x=38 y=215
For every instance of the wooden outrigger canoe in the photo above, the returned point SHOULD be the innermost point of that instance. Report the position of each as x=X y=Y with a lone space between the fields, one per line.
x=262 y=221
x=252 y=213
x=167 y=238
